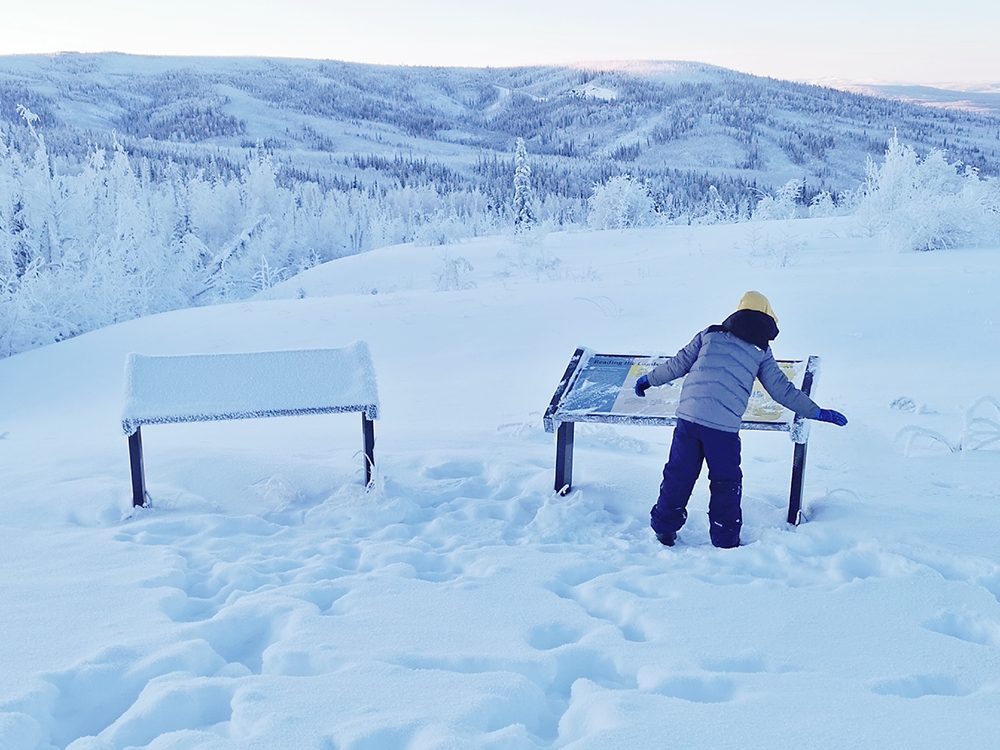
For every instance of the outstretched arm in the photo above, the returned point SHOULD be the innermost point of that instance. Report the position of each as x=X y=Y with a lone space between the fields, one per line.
x=781 y=390
x=677 y=366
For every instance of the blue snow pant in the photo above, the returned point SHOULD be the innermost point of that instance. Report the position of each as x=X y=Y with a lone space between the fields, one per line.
x=692 y=444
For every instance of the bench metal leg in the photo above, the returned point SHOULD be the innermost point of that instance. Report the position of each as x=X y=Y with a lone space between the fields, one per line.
x=564 y=458
x=368 y=428
x=138 y=472
x=798 y=475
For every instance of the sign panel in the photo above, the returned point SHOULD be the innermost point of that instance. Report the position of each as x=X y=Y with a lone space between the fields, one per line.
x=604 y=384
x=601 y=388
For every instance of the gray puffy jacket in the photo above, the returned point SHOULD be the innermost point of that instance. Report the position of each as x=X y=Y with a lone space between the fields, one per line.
x=720 y=369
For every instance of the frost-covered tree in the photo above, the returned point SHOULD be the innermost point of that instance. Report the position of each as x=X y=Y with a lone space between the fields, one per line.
x=822 y=205
x=715 y=210
x=620 y=203
x=783 y=204
x=521 y=207
x=115 y=236
x=927 y=204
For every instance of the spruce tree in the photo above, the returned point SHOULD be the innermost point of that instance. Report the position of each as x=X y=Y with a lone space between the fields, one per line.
x=524 y=216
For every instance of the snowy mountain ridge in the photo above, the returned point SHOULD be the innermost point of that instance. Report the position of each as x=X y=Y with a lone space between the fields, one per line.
x=674 y=125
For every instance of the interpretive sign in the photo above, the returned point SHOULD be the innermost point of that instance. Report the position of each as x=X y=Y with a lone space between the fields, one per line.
x=601 y=388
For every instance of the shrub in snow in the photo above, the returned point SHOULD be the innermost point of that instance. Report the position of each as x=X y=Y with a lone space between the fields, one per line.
x=266 y=276
x=982 y=424
x=926 y=204
x=451 y=276
x=715 y=210
x=771 y=251
x=440 y=229
x=981 y=430
x=904 y=403
x=620 y=203
x=784 y=204
x=530 y=259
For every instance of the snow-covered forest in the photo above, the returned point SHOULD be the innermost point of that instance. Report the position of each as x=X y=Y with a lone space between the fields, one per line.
x=130 y=186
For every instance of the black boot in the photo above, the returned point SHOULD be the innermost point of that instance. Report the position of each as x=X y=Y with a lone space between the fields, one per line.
x=667 y=538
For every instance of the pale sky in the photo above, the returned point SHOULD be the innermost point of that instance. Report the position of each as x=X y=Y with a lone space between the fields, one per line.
x=865 y=41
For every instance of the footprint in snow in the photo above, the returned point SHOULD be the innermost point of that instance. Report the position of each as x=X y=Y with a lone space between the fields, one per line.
x=968 y=626
x=697 y=689
x=919 y=686
x=454 y=470
x=549 y=637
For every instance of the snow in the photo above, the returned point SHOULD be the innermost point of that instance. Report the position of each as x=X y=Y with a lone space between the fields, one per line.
x=267 y=600
x=591 y=91
x=197 y=388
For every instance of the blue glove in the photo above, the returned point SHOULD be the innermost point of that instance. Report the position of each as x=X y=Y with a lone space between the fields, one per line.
x=831 y=416
x=641 y=386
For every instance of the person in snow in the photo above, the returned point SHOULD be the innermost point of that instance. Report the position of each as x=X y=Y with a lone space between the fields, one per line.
x=721 y=364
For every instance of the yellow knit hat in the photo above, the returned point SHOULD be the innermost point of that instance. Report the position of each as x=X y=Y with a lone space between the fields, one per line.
x=757 y=301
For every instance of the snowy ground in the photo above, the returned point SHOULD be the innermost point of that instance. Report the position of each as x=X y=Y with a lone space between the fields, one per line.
x=267 y=601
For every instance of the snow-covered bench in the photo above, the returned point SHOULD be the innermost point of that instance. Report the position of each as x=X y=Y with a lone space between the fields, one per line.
x=210 y=387
x=600 y=388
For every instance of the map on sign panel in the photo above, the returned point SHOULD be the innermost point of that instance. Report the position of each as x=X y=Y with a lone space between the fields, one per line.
x=605 y=384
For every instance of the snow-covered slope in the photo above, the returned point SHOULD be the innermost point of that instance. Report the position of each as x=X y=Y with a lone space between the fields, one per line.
x=267 y=601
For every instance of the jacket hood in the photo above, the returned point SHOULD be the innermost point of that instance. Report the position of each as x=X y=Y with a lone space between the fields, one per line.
x=753 y=326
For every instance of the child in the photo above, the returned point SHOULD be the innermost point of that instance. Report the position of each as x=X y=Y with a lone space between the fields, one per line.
x=721 y=363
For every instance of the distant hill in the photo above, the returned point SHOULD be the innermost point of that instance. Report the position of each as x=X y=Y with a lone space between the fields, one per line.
x=981 y=99
x=681 y=127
